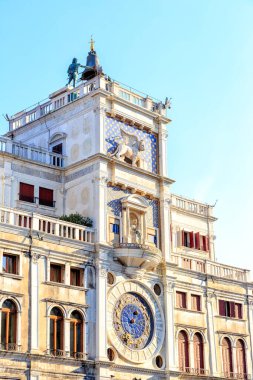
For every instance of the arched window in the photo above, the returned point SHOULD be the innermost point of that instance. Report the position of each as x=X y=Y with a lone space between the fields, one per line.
x=241 y=359
x=183 y=351
x=227 y=357
x=9 y=325
x=198 y=353
x=56 y=332
x=76 y=334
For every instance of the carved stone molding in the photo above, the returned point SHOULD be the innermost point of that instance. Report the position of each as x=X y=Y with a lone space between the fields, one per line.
x=35 y=257
x=101 y=181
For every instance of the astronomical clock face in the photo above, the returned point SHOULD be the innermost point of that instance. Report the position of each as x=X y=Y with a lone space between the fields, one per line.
x=136 y=326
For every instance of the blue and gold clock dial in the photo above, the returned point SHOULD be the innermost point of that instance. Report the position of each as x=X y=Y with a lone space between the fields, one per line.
x=133 y=321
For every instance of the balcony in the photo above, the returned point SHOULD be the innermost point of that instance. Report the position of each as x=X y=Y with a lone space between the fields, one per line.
x=46 y=225
x=233 y=375
x=141 y=256
x=10 y=347
x=194 y=371
x=191 y=206
x=211 y=268
x=32 y=153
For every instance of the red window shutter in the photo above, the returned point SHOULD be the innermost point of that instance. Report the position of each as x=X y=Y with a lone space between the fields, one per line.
x=222 y=310
x=239 y=311
x=204 y=243
x=26 y=192
x=197 y=241
x=232 y=309
x=46 y=196
x=191 y=240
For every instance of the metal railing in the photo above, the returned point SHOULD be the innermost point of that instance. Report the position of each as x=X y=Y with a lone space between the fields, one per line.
x=10 y=347
x=78 y=355
x=233 y=375
x=57 y=353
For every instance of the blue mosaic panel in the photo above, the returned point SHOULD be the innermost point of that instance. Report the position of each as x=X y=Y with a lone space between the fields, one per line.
x=155 y=209
x=112 y=130
x=115 y=204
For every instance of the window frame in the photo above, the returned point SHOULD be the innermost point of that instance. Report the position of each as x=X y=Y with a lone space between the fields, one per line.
x=55 y=319
x=62 y=272
x=230 y=309
x=181 y=300
x=23 y=197
x=6 y=311
x=16 y=263
x=81 y=274
x=42 y=199
x=198 y=302
x=73 y=323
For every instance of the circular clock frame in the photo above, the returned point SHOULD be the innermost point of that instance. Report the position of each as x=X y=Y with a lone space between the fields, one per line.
x=151 y=343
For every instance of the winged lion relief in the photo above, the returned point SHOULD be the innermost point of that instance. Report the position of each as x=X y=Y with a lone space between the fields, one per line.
x=128 y=148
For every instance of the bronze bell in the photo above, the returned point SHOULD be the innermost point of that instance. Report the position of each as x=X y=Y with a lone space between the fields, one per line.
x=92 y=67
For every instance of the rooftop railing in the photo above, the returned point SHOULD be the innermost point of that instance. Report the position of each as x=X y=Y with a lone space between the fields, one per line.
x=191 y=205
x=211 y=268
x=69 y=94
x=32 y=153
x=46 y=225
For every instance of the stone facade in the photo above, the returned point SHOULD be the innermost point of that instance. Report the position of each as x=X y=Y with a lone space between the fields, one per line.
x=137 y=296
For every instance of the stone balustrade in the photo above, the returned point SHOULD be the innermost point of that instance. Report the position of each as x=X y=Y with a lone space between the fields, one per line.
x=46 y=225
x=33 y=153
x=69 y=94
x=210 y=267
x=191 y=206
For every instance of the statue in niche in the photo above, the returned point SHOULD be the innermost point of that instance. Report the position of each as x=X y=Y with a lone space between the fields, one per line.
x=73 y=71
x=129 y=148
x=134 y=229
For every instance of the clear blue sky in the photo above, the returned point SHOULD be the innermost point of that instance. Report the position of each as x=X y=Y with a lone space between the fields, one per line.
x=199 y=52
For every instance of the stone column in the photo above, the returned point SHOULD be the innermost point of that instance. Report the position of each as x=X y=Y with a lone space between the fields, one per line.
x=249 y=352
x=163 y=134
x=165 y=225
x=100 y=198
x=66 y=346
x=101 y=310
x=34 y=303
x=211 y=334
x=169 y=324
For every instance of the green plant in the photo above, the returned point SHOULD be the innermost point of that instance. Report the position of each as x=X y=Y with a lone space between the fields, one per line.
x=77 y=219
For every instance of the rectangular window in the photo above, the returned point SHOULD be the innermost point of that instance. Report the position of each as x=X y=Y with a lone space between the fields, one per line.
x=76 y=277
x=46 y=197
x=114 y=230
x=195 y=302
x=181 y=300
x=10 y=263
x=230 y=309
x=56 y=273
x=57 y=148
x=26 y=192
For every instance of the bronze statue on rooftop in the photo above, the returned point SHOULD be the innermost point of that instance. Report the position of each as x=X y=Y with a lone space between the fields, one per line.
x=73 y=71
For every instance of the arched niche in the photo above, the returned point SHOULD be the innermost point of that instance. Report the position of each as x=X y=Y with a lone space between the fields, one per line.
x=134 y=223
